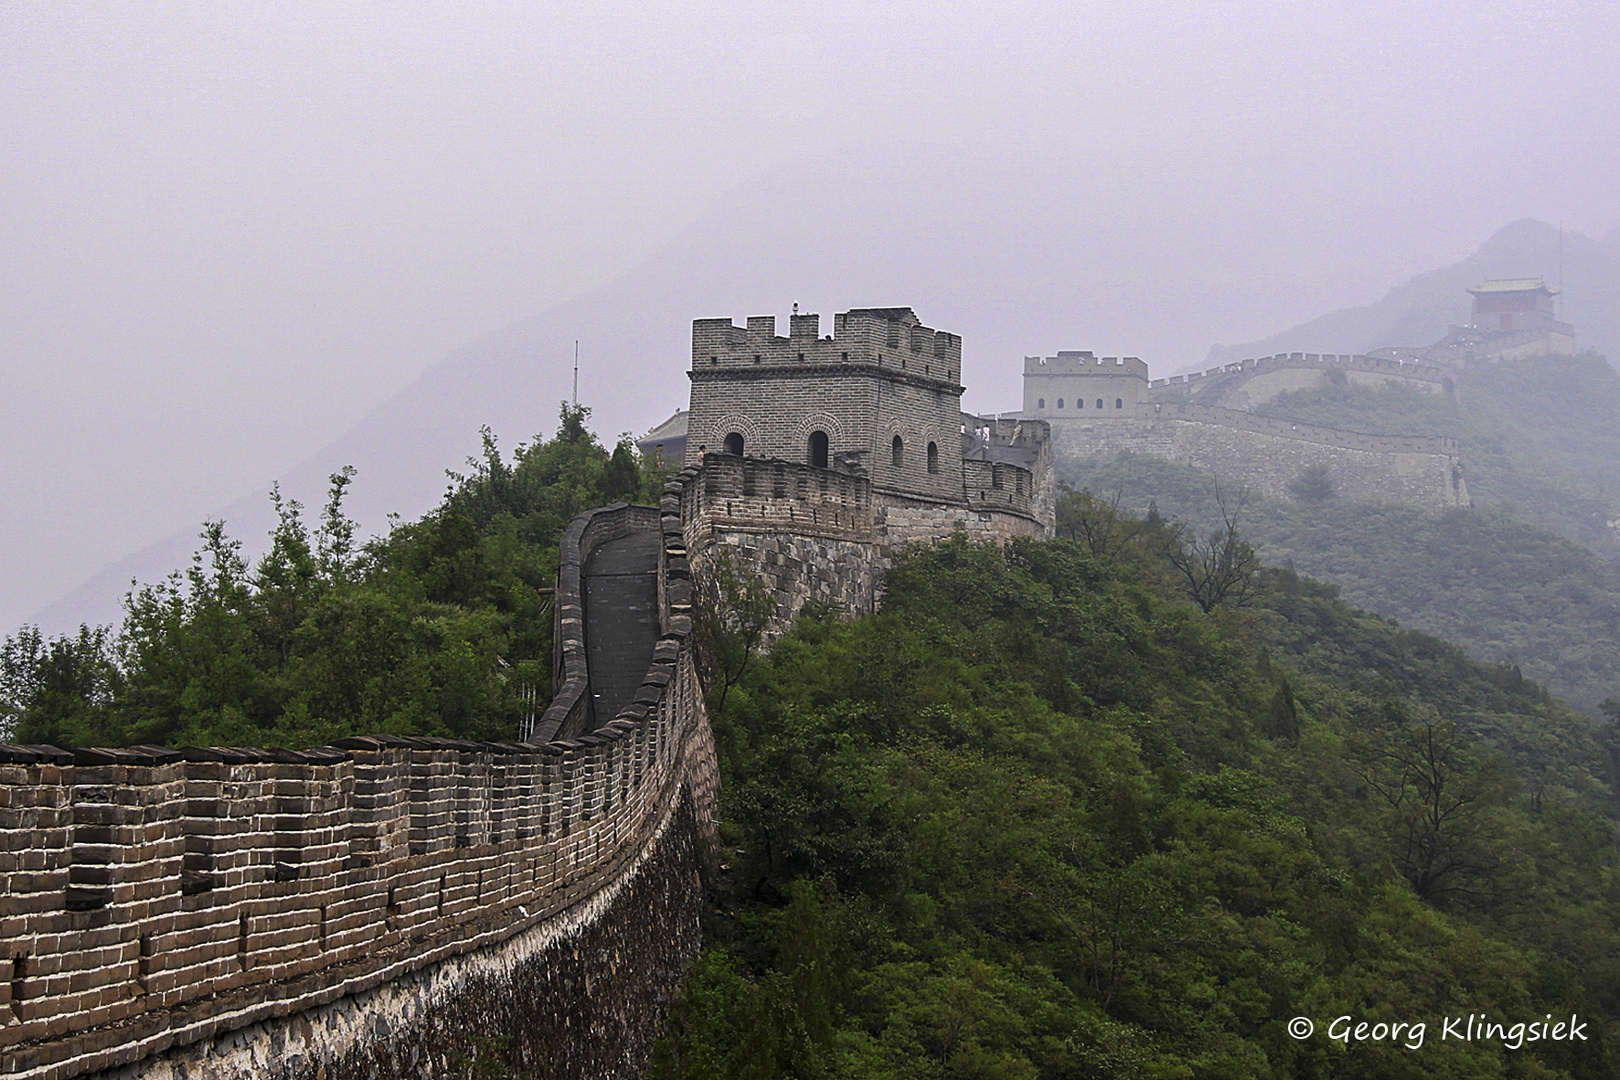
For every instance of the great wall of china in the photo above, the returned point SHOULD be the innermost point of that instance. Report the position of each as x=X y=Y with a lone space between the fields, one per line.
x=1245 y=383
x=375 y=908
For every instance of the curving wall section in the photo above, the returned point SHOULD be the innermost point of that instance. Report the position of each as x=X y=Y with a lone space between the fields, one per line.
x=367 y=909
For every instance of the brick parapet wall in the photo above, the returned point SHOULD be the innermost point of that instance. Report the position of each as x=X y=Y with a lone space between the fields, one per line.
x=806 y=534
x=1000 y=486
x=740 y=494
x=819 y=537
x=156 y=898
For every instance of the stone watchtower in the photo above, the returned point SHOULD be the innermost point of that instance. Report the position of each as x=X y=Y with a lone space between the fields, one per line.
x=1514 y=304
x=881 y=396
x=1079 y=385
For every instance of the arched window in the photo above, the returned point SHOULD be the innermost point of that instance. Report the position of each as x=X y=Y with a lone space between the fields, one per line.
x=933 y=457
x=818 y=449
x=1119 y=403
x=734 y=443
x=1099 y=403
x=898 y=452
x=1060 y=403
x=1041 y=404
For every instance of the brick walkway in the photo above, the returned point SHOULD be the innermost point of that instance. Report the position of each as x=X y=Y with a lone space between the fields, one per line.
x=621 y=619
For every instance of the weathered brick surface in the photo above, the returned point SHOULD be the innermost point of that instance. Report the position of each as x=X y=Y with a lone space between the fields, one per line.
x=879 y=377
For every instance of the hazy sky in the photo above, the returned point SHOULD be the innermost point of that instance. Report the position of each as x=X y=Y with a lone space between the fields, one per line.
x=230 y=230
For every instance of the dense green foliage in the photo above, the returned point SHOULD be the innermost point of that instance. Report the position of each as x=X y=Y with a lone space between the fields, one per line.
x=442 y=627
x=1043 y=817
x=1509 y=592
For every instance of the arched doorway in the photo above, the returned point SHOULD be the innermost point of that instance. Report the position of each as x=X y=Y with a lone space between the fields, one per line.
x=817 y=449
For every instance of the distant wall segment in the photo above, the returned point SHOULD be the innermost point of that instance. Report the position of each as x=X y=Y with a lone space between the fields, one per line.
x=1268 y=454
x=1247 y=383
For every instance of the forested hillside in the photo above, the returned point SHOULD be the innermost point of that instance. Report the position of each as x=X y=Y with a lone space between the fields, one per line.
x=442 y=627
x=1506 y=591
x=1044 y=816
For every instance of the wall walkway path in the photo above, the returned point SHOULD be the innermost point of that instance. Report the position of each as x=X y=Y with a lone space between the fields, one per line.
x=621 y=618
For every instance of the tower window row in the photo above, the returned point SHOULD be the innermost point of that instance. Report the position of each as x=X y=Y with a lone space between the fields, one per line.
x=1079 y=403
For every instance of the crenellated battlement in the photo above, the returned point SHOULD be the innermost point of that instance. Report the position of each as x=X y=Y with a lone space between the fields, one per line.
x=1085 y=363
x=741 y=494
x=891 y=340
x=1413 y=371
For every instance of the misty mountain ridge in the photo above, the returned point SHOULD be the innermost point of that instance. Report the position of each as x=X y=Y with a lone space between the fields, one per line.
x=1421 y=311
x=1034 y=288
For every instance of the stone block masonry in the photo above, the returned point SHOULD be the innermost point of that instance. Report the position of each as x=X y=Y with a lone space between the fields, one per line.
x=821 y=537
x=807 y=534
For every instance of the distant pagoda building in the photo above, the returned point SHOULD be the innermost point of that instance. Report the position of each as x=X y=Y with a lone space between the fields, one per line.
x=1511 y=305
x=1512 y=318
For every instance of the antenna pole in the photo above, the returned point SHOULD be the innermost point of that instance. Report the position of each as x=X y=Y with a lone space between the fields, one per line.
x=576 y=373
x=1560 y=265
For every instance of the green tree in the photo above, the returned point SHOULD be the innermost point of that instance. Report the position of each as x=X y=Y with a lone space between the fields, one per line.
x=731 y=616
x=1314 y=484
x=622 y=477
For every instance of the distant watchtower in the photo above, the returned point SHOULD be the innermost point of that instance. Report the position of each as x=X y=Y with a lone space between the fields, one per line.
x=1079 y=385
x=1511 y=305
x=881 y=396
